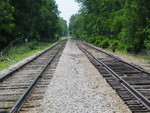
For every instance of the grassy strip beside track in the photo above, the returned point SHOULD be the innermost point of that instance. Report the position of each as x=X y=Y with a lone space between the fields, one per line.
x=144 y=57
x=18 y=53
x=121 y=50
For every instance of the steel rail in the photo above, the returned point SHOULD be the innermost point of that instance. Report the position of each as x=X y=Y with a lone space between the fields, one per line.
x=126 y=85
x=23 y=98
x=15 y=70
x=118 y=59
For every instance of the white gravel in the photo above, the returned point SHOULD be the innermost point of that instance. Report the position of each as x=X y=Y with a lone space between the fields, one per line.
x=77 y=87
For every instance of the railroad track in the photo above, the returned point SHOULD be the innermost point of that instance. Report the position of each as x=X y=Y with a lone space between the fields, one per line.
x=29 y=79
x=131 y=83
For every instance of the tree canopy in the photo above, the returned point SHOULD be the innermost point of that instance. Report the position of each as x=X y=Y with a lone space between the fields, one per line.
x=126 y=22
x=33 y=19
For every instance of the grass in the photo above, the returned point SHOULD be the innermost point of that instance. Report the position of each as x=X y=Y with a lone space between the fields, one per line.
x=121 y=49
x=21 y=52
x=139 y=56
x=63 y=37
x=145 y=57
x=5 y=64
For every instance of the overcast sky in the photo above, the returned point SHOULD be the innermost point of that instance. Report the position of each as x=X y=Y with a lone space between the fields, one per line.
x=67 y=8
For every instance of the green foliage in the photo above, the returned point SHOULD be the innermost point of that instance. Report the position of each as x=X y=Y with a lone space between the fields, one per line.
x=130 y=49
x=76 y=25
x=21 y=49
x=147 y=39
x=5 y=64
x=100 y=41
x=6 y=21
x=97 y=42
x=125 y=21
x=115 y=42
x=32 y=19
x=16 y=50
x=63 y=27
x=147 y=44
x=32 y=45
x=105 y=43
x=18 y=53
x=92 y=40
x=119 y=45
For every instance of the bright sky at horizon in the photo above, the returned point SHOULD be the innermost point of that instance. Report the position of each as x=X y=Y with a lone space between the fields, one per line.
x=67 y=8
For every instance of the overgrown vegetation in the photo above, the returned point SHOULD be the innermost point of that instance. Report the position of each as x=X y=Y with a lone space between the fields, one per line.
x=37 y=21
x=63 y=31
x=18 y=53
x=31 y=19
x=104 y=23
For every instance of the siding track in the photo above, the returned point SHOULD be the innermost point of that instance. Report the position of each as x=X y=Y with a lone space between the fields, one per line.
x=132 y=83
x=16 y=86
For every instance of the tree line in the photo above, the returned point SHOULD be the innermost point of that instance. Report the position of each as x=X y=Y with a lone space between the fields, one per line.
x=32 y=19
x=125 y=23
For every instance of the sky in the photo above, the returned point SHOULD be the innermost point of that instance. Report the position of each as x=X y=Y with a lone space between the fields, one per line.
x=67 y=8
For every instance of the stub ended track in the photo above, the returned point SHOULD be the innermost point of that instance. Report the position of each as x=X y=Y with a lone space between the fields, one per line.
x=132 y=83
x=22 y=88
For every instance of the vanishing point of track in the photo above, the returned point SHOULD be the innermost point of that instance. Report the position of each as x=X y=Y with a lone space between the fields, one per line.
x=16 y=86
x=131 y=83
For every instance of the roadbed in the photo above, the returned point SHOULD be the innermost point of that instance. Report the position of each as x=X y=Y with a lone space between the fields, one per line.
x=78 y=87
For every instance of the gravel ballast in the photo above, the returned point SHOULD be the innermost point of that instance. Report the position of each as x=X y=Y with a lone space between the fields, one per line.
x=78 y=87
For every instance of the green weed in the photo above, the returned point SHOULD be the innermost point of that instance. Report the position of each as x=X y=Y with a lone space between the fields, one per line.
x=20 y=52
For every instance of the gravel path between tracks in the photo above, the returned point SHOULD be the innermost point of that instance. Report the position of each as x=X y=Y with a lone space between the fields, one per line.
x=77 y=87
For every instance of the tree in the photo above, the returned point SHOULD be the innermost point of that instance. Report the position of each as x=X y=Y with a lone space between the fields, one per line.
x=6 y=22
x=63 y=27
x=124 y=21
x=35 y=20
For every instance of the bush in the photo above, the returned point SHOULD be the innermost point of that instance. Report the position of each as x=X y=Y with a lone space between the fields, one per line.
x=92 y=40
x=84 y=37
x=119 y=45
x=97 y=42
x=22 y=49
x=105 y=43
x=115 y=42
x=17 y=50
x=33 y=45
x=99 y=45
x=129 y=49
x=147 y=44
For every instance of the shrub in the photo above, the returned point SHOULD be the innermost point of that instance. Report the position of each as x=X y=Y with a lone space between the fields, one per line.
x=105 y=43
x=22 y=49
x=32 y=45
x=92 y=40
x=147 y=44
x=97 y=42
x=129 y=49
x=16 y=50
x=115 y=42
x=119 y=45
x=99 y=45
x=84 y=37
